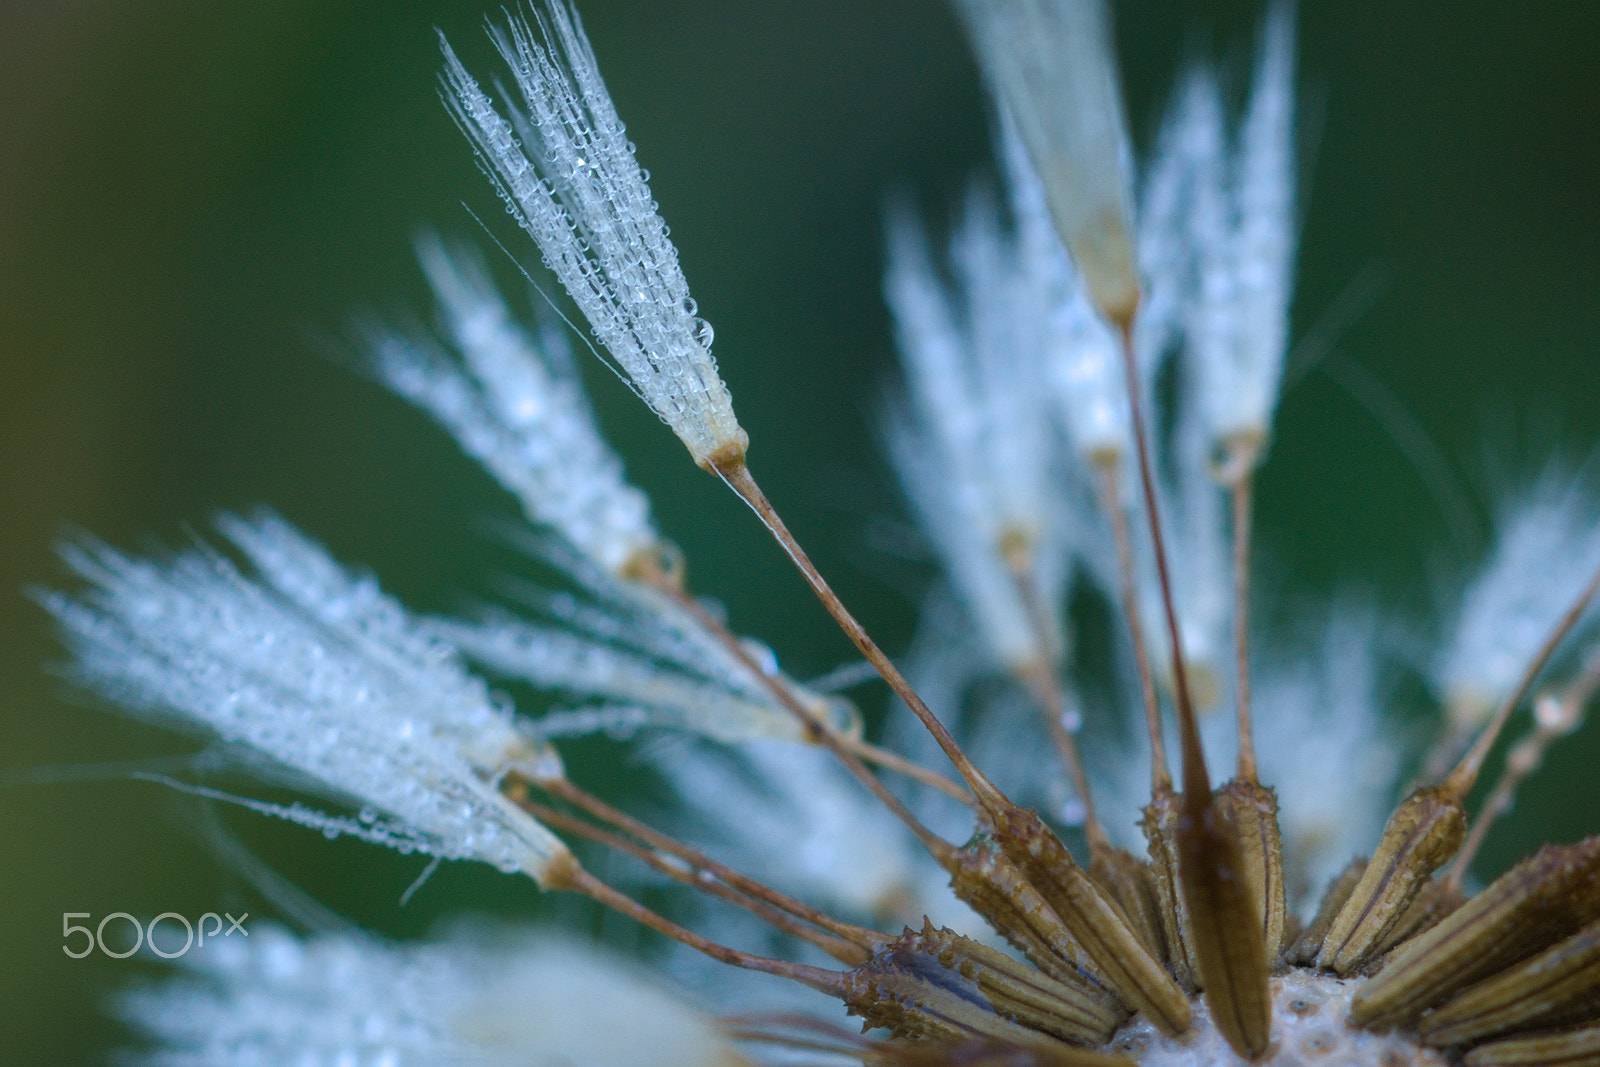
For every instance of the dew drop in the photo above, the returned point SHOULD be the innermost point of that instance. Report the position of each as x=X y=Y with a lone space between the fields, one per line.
x=762 y=655
x=702 y=332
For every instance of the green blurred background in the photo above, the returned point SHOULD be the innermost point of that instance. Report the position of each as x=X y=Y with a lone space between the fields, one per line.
x=195 y=198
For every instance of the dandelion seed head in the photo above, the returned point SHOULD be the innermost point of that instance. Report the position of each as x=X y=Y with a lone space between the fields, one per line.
x=1013 y=400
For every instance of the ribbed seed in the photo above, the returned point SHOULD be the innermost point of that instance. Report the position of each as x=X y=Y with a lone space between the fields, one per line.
x=1578 y=1048
x=1559 y=986
x=1423 y=833
x=1160 y=825
x=1433 y=902
x=1303 y=952
x=1538 y=902
x=1132 y=973
x=1130 y=884
x=1252 y=809
x=990 y=884
x=1225 y=937
x=937 y=985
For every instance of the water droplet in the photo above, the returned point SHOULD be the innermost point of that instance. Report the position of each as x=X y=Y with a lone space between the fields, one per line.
x=367 y=816
x=762 y=655
x=702 y=332
x=690 y=308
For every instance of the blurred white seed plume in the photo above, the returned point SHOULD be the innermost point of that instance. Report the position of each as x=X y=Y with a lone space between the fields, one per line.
x=1325 y=743
x=1546 y=546
x=1081 y=357
x=1051 y=64
x=515 y=404
x=642 y=658
x=486 y=998
x=799 y=822
x=972 y=440
x=1242 y=236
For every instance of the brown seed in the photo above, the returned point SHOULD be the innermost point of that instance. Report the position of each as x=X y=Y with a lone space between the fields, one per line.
x=1578 y=1048
x=1252 y=809
x=1303 y=952
x=1225 y=935
x=990 y=884
x=1160 y=825
x=1292 y=929
x=1538 y=902
x=1434 y=901
x=1131 y=885
x=1423 y=833
x=1131 y=972
x=1559 y=986
x=937 y=985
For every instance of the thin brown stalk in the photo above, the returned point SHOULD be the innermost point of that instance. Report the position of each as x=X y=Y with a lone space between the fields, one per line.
x=783 y=1030
x=1241 y=462
x=1044 y=681
x=581 y=881
x=846 y=952
x=1225 y=939
x=733 y=470
x=817 y=730
x=1564 y=716
x=1111 y=503
x=1460 y=781
x=1045 y=684
x=599 y=809
x=1196 y=779
x=893 y=761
